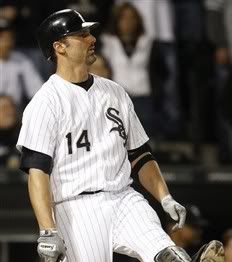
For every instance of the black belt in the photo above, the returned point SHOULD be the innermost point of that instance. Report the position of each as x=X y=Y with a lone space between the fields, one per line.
x=75 y=197
x=90 y=192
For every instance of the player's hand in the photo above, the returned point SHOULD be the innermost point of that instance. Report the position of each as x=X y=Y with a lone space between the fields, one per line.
x=176 y=211
x=51 y=246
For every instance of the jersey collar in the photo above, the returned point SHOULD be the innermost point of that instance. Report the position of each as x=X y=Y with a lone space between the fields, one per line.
x=86 y=84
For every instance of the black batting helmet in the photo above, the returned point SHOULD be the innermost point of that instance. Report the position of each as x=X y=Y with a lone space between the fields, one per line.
x=58 y=25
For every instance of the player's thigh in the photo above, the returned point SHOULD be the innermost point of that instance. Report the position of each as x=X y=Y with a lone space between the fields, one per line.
x=85 y=226
x=138 y=232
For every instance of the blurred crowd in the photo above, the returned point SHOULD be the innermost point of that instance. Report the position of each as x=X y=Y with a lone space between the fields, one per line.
x=173 y=57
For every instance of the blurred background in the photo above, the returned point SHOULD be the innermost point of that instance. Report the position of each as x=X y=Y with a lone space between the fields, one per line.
x=174 y=59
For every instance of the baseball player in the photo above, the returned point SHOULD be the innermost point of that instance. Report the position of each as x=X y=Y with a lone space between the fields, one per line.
x=80 y=140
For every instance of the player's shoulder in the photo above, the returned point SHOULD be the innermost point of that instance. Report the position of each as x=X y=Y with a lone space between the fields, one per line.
x=46 y=95
x=43 y=92
x=109 y=84
x=49 y=88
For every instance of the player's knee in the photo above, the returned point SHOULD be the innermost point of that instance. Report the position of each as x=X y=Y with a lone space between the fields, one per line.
x=172 y=254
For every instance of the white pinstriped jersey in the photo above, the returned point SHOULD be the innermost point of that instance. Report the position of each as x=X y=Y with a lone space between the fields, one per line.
x=86 y=132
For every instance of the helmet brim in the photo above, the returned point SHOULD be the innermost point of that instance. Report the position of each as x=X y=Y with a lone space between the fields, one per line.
x=90 y=25
x=84 y=26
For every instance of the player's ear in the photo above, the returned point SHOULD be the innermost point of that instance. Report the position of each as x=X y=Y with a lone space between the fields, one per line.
x=59 y=47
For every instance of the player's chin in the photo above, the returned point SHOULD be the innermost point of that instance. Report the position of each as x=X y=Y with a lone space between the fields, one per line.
x=91 y=59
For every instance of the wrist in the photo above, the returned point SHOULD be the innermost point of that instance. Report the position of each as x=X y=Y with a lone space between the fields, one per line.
x=166 y=198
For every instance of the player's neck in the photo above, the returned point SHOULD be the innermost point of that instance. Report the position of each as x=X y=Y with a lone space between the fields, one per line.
x=74 y=74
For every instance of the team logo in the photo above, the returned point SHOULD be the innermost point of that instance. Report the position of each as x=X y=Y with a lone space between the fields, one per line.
x=112 y=114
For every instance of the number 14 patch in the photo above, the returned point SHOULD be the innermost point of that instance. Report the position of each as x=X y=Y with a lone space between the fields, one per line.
x=83 y=141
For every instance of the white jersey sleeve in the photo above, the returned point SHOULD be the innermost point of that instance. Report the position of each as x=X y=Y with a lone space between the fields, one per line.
x=39 y=127
x=136 y=133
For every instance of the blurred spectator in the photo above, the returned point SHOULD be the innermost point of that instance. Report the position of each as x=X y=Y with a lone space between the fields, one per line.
x=19 y=79
x=101 y=67
x=135 y=61
x=219 y=30
x=226 y=107
x=225 y=136
x=227 y=242
x=26 y=16
x=192 y=61
x=8 y=10
x=9 y=128
x=220 y=36
x=158 y=24
x=157 y=16
x=190 y=236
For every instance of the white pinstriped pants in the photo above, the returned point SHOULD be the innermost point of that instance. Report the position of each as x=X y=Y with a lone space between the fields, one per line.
x=93 y=226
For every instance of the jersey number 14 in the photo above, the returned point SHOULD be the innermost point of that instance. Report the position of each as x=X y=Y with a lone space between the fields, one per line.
x=83 y=141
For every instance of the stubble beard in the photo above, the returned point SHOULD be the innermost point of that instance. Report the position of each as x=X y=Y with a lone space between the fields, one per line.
x=91 y=59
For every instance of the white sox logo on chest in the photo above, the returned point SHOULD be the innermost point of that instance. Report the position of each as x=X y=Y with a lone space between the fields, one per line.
x=120 y=126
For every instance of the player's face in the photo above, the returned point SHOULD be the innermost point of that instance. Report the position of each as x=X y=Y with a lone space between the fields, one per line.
x=80 y=48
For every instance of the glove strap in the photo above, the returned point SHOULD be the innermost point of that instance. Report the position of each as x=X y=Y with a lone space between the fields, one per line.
x=167 y=197
x=48 y=232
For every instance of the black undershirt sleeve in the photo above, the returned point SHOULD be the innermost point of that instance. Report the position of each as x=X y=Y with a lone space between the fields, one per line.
x=34 y=159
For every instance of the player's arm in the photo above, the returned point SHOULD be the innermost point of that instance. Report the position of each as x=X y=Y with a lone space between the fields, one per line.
x=38 y=166
x=50 y=246
x=144 y=164
x=40 y=196
x=151 y=178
